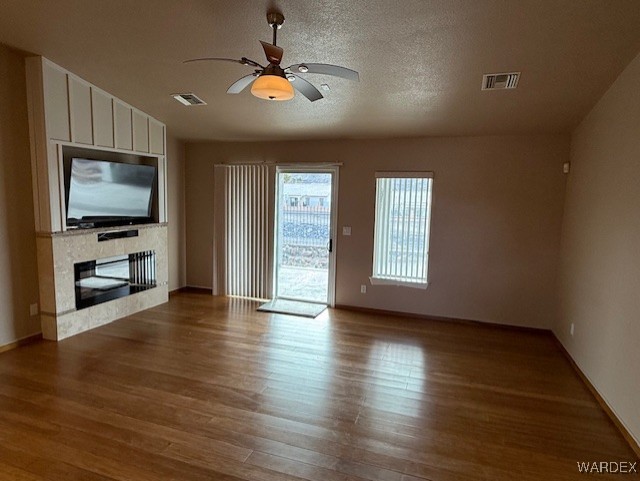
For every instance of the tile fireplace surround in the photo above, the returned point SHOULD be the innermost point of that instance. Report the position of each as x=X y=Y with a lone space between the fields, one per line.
x=57 y=255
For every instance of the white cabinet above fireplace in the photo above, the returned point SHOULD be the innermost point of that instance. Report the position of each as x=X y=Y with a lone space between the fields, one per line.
x=66 y=111
x=81 y=113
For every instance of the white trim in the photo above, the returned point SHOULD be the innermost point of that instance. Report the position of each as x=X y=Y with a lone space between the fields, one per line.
x=378 y=281
x=384 y=276
x=106 y=149
x=63 y=190
x=381 y=174
x=330 y=168
x=292 y=165
x=335 y=182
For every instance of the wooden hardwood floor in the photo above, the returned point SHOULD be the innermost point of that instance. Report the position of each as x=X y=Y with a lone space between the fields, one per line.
x=206 y=388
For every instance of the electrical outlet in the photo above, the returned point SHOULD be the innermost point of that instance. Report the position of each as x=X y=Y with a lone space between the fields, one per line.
x=346 y=230
x=33 y=309
x=572 y=328
x=363 y=289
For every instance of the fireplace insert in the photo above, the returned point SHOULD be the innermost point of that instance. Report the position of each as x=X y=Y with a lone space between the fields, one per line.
x=109 y=278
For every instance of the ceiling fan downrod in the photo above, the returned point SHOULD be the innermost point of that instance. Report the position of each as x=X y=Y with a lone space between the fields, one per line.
x=275 y=21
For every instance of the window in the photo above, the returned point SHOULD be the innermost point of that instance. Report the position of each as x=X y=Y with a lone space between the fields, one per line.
x=401 y=238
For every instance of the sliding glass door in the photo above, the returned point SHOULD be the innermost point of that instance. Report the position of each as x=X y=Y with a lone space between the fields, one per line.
x=304 y=234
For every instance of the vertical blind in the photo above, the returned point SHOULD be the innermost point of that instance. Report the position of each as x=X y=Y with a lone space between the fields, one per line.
x=247 y=231
x=402 y=218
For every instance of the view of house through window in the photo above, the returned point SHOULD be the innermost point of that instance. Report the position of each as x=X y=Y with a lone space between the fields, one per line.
x=403 y=214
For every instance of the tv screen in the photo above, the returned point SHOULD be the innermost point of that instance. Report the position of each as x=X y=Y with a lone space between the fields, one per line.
x=107 y=192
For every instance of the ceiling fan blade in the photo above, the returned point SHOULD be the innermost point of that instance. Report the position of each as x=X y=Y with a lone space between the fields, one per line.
x=242 y=61
x=204 y=59
x=325 y=69
x=273 y=53
x=241 y=84
x=306 y=89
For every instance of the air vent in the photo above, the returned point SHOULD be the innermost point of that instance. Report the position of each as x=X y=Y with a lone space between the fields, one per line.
x=500 y=81
x=189 y=99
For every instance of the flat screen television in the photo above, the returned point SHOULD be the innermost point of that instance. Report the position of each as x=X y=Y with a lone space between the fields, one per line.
x=105 y=193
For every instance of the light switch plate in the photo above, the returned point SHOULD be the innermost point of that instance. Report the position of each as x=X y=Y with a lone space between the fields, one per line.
x=346 y=230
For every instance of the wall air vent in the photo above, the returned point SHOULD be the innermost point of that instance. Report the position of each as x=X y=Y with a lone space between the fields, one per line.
x=189 y=99
x=500 y=81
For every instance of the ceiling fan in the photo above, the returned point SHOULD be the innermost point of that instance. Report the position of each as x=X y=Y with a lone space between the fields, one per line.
x=274 y=82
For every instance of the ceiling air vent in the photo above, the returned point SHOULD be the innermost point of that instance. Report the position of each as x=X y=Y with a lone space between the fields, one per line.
x=189 y=99
x=500 y=81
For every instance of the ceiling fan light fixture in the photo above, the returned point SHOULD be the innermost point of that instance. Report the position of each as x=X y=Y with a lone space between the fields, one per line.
x=274 y=82
x=272 y=87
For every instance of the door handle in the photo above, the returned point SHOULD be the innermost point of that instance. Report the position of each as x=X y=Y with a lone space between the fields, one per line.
x=330 y=245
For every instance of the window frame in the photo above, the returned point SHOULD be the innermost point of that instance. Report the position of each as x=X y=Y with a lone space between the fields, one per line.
x=430 y=200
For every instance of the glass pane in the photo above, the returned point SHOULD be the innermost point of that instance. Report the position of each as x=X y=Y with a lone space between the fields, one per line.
x=304 y=220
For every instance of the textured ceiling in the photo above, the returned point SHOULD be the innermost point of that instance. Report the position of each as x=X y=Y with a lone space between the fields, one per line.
x=421 y=62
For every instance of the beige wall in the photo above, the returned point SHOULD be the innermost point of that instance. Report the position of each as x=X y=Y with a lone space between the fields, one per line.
x=176 y=214
x=600 y=261
x=199 y=213
x=18 y=268
x=496 y=222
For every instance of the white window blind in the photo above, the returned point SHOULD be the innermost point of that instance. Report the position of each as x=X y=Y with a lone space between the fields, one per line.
x=401 y=238
x=248 y=234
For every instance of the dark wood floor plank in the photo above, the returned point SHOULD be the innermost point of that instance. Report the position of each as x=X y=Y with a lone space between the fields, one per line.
x=208 y=388
x=11 y=473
